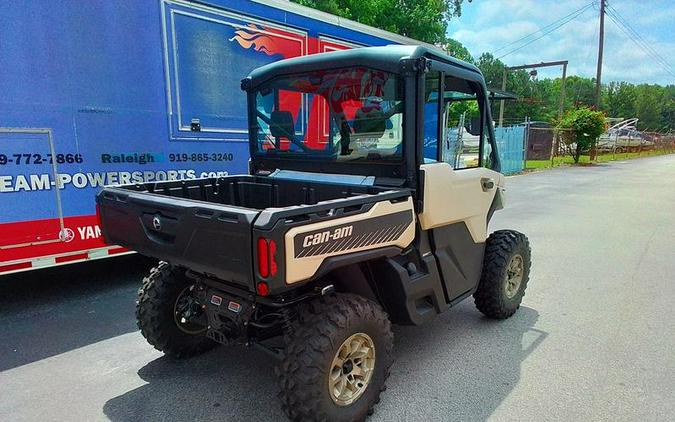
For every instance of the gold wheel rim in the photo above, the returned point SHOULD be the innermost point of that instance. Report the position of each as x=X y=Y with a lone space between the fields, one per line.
x=514 y=275
x=351 y=369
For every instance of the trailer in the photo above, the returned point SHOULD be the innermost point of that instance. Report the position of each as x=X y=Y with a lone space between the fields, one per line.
x=102 y=93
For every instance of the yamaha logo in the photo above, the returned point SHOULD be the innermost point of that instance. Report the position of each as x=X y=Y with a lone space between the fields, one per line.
x=157 y=223
x=67 y=235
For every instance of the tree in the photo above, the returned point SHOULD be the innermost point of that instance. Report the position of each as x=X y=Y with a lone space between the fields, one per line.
x=538 y=99
x=668 y=108
x=457 y=49
x=618 y=99
x=648 y=106
x=423 y=20
x=580 y=129
x=492 y=69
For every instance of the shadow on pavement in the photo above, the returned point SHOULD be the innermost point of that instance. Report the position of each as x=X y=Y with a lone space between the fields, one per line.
x=227 y=383
x=47 y=312
x=463 y=365
x=460 y=362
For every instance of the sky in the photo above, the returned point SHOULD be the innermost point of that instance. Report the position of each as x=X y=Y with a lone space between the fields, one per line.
x=488 y=25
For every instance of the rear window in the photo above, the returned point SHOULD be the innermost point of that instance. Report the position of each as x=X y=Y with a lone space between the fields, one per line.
x=345 y=114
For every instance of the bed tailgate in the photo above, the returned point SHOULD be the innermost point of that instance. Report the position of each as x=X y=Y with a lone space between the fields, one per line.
x=205 y=237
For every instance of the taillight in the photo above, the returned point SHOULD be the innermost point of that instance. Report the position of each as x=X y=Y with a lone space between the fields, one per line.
x=263 y=258
x=267 y=257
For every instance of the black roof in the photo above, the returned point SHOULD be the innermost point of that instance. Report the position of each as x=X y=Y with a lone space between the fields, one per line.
x=384 y=58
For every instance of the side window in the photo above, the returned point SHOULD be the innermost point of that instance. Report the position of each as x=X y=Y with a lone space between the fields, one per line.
x=487 y=147
x=463 y=133
x=431 y=117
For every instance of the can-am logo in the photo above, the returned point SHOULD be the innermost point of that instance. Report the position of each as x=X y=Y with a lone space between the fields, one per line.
x=325 y=236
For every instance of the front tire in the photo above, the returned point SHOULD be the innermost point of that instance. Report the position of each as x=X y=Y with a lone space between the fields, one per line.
x=160 y=312
x=337 y=360
x=506 y=271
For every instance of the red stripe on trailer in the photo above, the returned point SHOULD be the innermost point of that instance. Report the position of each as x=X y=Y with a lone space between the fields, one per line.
x=68 y=258
x=113 y=251
x=14 y=267
x=81 y=233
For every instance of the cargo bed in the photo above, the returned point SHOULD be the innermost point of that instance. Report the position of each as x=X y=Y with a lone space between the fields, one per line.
x=207 y=224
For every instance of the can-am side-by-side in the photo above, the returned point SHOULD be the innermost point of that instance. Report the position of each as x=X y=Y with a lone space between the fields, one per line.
x=359 y=210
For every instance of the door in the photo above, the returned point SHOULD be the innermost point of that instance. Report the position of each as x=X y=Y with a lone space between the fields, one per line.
x=30 y=203
x=459 y=189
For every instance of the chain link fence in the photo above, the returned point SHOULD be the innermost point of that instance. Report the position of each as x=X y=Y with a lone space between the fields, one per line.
x=545 y=146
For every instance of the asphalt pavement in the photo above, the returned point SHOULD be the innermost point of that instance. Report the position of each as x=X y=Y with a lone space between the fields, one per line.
x=594 y=339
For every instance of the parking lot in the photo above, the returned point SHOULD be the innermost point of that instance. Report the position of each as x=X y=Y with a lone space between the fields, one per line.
x=592 y=341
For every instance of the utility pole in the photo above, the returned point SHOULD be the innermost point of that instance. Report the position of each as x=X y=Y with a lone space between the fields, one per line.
x=601 y=44
x=555 y=143
x=501 y=103
x=598 y=75
x=561 y=105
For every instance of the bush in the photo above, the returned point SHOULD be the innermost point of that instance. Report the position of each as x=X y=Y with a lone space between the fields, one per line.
x=580 y=129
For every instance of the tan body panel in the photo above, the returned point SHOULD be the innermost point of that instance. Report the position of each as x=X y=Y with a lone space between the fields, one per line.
x=315 y=242
x=452 y=196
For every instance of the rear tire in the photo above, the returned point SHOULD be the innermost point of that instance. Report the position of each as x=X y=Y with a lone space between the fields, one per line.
x=156 y=314
x=506 y=271
x=337 y=360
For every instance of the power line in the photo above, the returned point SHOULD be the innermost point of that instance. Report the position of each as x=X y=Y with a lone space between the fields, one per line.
x=642 y=44
x=562 y=22
x=583 y=8
x=634 y=36
x=637 y=35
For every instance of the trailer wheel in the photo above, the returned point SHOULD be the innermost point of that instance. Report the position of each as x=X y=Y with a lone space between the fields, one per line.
x=337 y=360
x=506 y=270
x=168 y=314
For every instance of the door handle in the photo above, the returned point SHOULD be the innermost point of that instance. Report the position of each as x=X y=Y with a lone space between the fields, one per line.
x=487 y=183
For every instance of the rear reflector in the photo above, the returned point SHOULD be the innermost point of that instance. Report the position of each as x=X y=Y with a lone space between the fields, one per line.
x=263 y=289
x=68 y=258
x=14 y=267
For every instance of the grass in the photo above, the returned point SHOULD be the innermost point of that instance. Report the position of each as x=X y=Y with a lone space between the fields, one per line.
x=585 y=159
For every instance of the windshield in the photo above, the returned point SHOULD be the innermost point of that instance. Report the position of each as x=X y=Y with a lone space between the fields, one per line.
x=334 y=115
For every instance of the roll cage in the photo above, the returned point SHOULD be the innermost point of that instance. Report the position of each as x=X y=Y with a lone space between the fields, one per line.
x=413 y=64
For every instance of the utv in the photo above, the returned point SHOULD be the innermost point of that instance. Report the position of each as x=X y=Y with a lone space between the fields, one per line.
x=362 y=207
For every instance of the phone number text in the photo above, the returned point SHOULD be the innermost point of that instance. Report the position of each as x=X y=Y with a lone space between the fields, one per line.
x=214 y=156
x=21 y=159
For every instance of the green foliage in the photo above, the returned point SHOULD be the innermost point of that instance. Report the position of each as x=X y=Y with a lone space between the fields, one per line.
x=648 y=105
x=424 y=20
x=456 y=109
x=619 y=98
x=539 y=99
x=581 y=128
x=456 y=49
